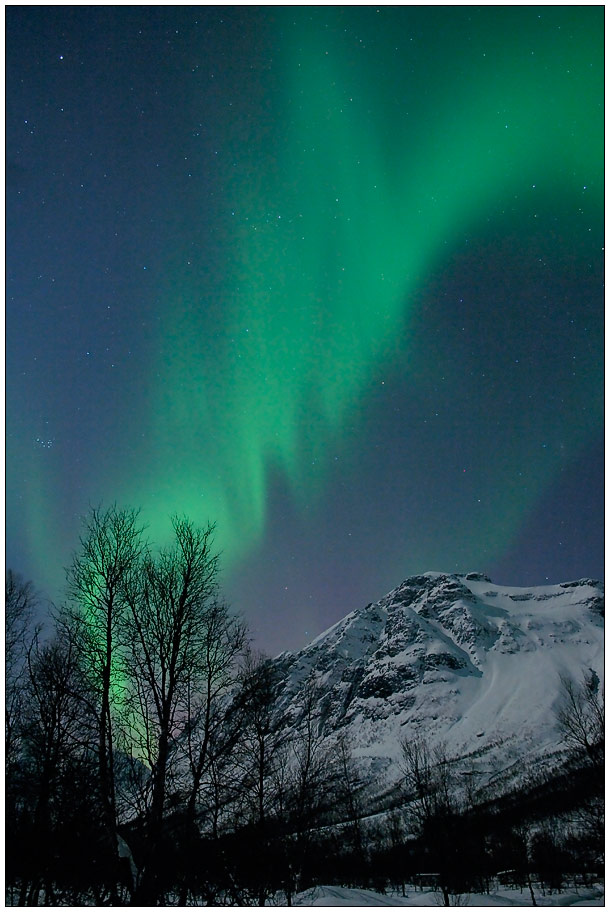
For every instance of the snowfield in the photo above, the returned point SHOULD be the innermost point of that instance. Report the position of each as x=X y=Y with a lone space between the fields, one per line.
x=504 y=897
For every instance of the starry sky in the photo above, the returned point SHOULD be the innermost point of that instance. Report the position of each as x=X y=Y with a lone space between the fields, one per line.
x=330 y=277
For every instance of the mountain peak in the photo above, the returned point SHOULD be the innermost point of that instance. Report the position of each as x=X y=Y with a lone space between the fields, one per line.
x=455 y=658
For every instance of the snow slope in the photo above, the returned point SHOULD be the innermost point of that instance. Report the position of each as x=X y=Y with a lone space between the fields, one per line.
x=503 y=897
x=455 y=658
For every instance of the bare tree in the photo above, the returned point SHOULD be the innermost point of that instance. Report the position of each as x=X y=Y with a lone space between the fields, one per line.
x=311 y=764
x=428 y=779
x=20 y=606
x=581 y=719
x=433 y=806
x=110 y=548
x=348 y=801
x=298 y=779
x=261 y=767
x=260 y=740
x=165 y=636
x=57 y=733
x=212 y=730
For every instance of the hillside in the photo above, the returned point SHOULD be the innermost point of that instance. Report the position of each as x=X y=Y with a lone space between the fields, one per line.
x=458 y=659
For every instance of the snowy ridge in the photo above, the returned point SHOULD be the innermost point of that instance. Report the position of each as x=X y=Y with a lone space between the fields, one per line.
x=457 y=659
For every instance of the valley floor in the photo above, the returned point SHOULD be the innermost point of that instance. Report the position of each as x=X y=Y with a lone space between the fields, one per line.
x=502 y=897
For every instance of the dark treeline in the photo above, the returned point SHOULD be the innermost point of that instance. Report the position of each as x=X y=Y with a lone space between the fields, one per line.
x=147 y=762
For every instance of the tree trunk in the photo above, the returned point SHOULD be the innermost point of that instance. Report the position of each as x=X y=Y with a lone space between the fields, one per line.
x=529 y=883
x=147 y=891
x=106 y=777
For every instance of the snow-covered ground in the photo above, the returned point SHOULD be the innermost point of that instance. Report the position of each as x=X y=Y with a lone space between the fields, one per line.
x=502 y=897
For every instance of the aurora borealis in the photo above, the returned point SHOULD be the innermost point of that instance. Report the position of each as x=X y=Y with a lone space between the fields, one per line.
x=331 y=277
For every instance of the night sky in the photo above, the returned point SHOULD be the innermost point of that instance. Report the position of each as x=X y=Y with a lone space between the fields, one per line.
x=331 y=277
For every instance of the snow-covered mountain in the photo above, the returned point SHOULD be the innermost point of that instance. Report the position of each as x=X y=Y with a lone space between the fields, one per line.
x=456 y=659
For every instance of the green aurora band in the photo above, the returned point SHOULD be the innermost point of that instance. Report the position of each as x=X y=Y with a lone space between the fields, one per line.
x=371 y=157
x=341 y=216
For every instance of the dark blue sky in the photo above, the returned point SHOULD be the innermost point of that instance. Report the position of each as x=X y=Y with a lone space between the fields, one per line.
x=400 y=371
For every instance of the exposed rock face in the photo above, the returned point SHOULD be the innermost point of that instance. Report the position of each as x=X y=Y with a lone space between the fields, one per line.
x=456 y=659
